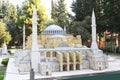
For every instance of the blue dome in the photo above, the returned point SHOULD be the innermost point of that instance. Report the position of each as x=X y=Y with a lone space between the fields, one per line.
x=53 y=29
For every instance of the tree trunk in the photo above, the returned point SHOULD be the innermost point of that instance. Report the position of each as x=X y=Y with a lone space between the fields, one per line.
x=99 y=40
x=118 y=42
x=112 y=43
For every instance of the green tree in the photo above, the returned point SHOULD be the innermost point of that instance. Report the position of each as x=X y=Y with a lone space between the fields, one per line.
x=27 y=9
x=81 y=28
x=54 y=10
x=82 y=8
x=112 y=17
x=60 y=14
x=107 y=14
x=24 y=16
x=4 y=34
x=9 y=17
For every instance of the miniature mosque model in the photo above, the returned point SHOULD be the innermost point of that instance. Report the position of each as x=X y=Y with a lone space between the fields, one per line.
x=56 y=51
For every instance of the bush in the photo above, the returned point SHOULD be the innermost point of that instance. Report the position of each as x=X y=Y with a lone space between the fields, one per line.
x=5 y=61
x=10 y=52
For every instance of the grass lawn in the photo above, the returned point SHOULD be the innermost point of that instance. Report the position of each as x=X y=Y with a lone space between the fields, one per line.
x=2 y=72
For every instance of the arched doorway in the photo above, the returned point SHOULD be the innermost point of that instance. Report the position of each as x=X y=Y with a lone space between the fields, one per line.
x=64 y=67
x=71 y=67
x=77 y=66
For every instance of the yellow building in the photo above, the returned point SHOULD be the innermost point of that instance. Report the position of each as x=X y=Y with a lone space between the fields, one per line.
x=54 y=36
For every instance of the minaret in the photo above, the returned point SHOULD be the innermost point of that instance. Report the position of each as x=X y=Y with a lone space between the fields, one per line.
x=35 y=55
x=64 y=30
x=94 y=45
x=24 y=36
x=4 y=48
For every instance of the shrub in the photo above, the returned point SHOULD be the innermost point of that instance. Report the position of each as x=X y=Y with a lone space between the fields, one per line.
x=9 y=52
x=5 y=61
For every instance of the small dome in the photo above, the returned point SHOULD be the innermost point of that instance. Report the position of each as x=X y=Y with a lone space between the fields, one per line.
x=53 y=28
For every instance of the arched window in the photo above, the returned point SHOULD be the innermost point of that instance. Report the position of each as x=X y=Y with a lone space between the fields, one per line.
x=48 y=54
x=54 y=54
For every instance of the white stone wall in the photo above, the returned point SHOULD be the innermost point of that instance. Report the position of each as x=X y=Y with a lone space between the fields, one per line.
x=22 y=60
x=24 y=67
x=98 y=63
x=85 y=64
x=45 y=68
x=55 y=67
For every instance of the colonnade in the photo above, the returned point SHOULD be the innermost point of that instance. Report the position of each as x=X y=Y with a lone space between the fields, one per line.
x=67 y=60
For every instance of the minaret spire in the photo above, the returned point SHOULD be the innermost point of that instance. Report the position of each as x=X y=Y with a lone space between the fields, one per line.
x=94 y=45
x=4 y=48
x=35 y=55
x=93 y=18
x=24 y=36
x=34 y=30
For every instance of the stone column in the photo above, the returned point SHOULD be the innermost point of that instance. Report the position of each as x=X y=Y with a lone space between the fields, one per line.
x=45 y=56
x=61 y=68
x=24 y=36
x=80 y=66
x=51 y=56
x=74 y=67
x=35 y=55
x=68 y=60
x=94 y=45
x=68 y=67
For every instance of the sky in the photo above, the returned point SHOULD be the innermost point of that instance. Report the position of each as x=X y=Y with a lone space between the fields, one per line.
x=46 y=3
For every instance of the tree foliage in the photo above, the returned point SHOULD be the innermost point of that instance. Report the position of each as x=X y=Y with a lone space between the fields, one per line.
x=60 y=14
x=81 y=28
x=24 y=16
x=112 y=15
x=82 y=8
x=8 y=19
x=27 y=10
x=4 y=34
x=107 y=13
x=15 y=18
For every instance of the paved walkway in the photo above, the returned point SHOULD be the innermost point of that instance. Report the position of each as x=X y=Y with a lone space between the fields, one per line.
x=0 y=62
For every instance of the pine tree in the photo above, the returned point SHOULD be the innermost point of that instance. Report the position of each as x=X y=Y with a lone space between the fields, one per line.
x=82 y=8
x=54 y=10
x=26 y=17
x=9 y=17
x=59 y=13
